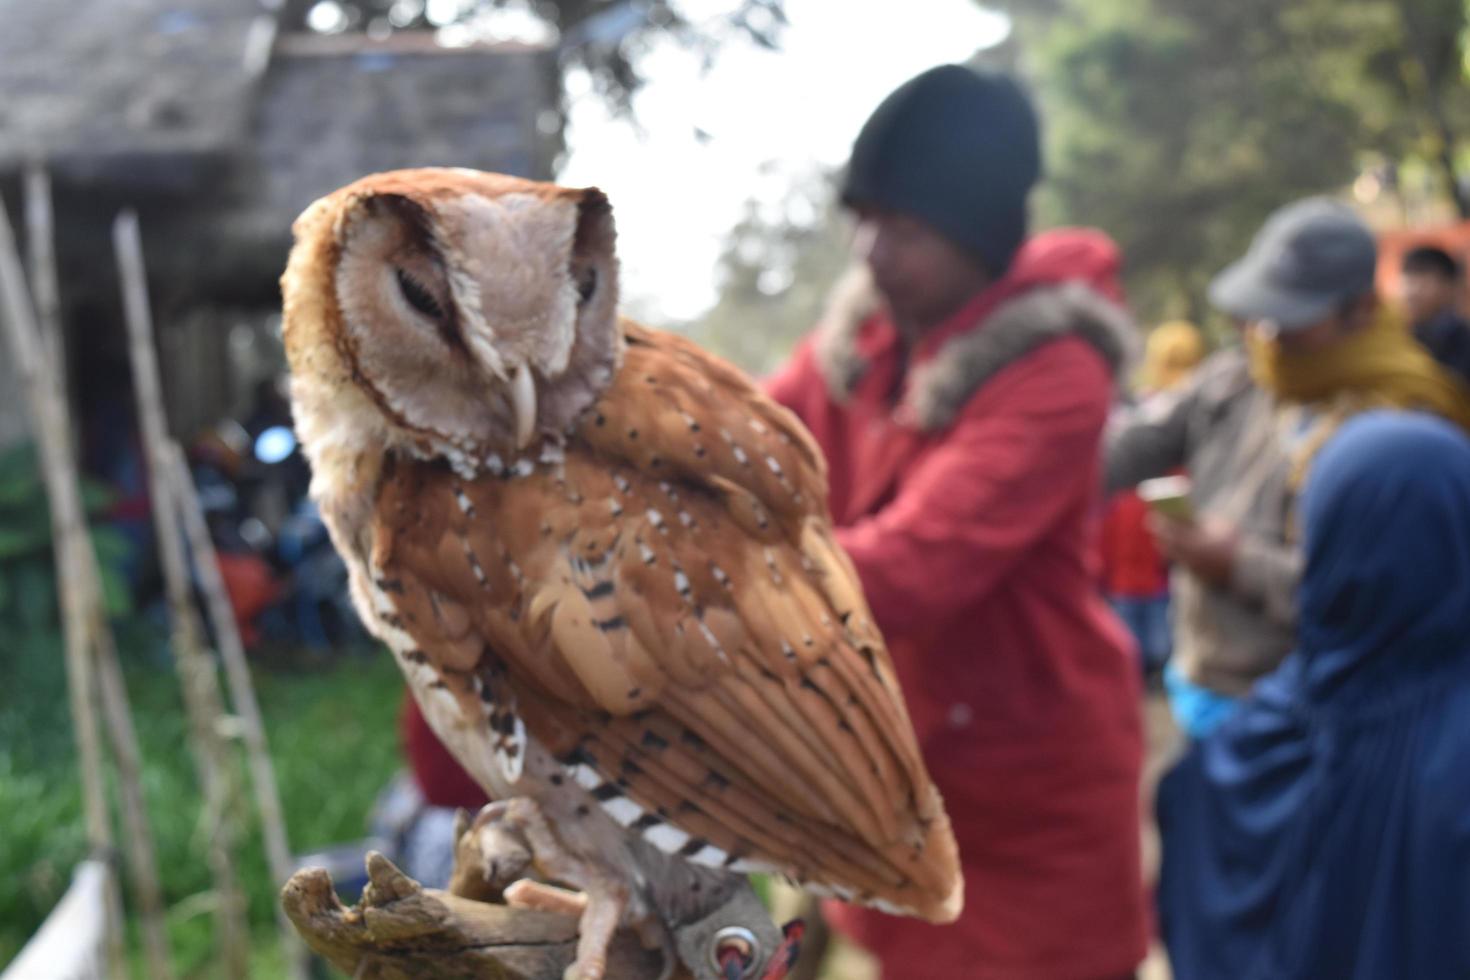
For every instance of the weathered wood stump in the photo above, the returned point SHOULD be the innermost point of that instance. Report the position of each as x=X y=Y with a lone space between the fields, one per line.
x=404 y=931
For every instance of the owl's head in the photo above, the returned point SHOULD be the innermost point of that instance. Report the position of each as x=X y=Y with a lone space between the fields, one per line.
x=470 y=311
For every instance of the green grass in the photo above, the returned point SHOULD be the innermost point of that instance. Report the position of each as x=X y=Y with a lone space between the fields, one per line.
x=333 y=737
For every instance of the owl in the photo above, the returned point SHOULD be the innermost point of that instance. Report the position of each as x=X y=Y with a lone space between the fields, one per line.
x=604 y=562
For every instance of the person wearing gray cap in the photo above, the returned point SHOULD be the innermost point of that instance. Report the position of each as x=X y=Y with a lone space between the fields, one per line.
x=1318 y=348
x=1308 y=277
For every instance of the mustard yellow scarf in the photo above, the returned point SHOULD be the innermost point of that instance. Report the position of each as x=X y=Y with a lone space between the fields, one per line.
x=1381 y=363
x=1379 y=366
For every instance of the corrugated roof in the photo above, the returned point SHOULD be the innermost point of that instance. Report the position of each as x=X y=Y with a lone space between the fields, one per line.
x=90 y=80
x=220 y=133
x=154 y=94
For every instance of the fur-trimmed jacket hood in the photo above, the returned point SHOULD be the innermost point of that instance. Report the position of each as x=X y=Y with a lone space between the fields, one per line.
x=952 y=366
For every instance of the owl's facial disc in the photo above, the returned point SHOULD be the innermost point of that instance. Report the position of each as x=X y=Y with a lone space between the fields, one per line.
x=480 y=321
x=535 y=278
x=425 y=293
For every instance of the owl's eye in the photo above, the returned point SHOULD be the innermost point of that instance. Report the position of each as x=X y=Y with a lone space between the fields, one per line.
x=586 y=283
x=416 y=295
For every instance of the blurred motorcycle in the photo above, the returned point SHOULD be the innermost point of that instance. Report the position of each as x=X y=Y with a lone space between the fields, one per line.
x=285 y=580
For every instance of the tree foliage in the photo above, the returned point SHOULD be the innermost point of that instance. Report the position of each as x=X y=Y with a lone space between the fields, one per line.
x=1177 y=125
x=29 y=602
x=605 y=37
x=775 y=272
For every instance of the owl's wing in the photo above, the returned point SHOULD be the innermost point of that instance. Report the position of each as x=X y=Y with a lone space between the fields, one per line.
x=668 y=613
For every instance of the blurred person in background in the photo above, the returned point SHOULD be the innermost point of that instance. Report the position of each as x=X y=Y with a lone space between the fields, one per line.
x=1319 y=347
x=1135 y=574
x=1171 y=355
x=959 y=396
x=1433 y=287
x=1322 y=831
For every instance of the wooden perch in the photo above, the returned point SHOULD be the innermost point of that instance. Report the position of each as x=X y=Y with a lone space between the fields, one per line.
x=404 y=931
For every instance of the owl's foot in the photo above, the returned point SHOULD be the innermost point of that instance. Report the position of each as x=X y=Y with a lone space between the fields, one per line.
x=606 y=901
x=509 y=839
x=599 y=912
x=652 y=934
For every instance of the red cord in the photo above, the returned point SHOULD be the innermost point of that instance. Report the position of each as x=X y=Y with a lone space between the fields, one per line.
x=786 y=954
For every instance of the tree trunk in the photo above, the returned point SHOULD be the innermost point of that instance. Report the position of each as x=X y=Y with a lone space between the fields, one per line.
x=1421 y=37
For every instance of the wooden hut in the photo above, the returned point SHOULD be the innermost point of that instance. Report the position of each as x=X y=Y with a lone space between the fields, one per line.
x=219 y=129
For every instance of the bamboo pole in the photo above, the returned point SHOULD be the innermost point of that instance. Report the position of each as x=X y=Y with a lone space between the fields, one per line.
x=123 y=740
x=45 y=285
x=69 y=532
x=202 y=701
x=242 y=696
x=85 y=575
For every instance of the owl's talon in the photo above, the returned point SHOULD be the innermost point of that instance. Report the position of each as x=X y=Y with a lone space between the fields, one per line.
x=490 y=853
x=593 y=968
x=654 y=934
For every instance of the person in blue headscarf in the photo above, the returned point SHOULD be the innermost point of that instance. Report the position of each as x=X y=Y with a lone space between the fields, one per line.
x=1324 y=830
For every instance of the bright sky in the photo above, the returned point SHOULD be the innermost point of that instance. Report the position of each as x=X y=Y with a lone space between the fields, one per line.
x=770 y=118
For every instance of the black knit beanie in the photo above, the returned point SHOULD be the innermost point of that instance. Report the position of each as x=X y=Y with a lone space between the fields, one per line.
x=958 y=149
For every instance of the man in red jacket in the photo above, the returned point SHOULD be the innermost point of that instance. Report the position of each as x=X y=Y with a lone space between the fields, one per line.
x=960 y=405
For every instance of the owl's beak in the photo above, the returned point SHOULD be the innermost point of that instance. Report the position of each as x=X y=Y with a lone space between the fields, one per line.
x=523 y=404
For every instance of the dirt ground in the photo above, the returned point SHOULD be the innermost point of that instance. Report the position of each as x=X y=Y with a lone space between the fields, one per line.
x=844 y=962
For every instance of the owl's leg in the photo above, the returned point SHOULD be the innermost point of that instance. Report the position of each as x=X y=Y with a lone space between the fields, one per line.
x=510 y=831
x=606 y=893
x=598 y=920
x=606 y=901
x=651 y=931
